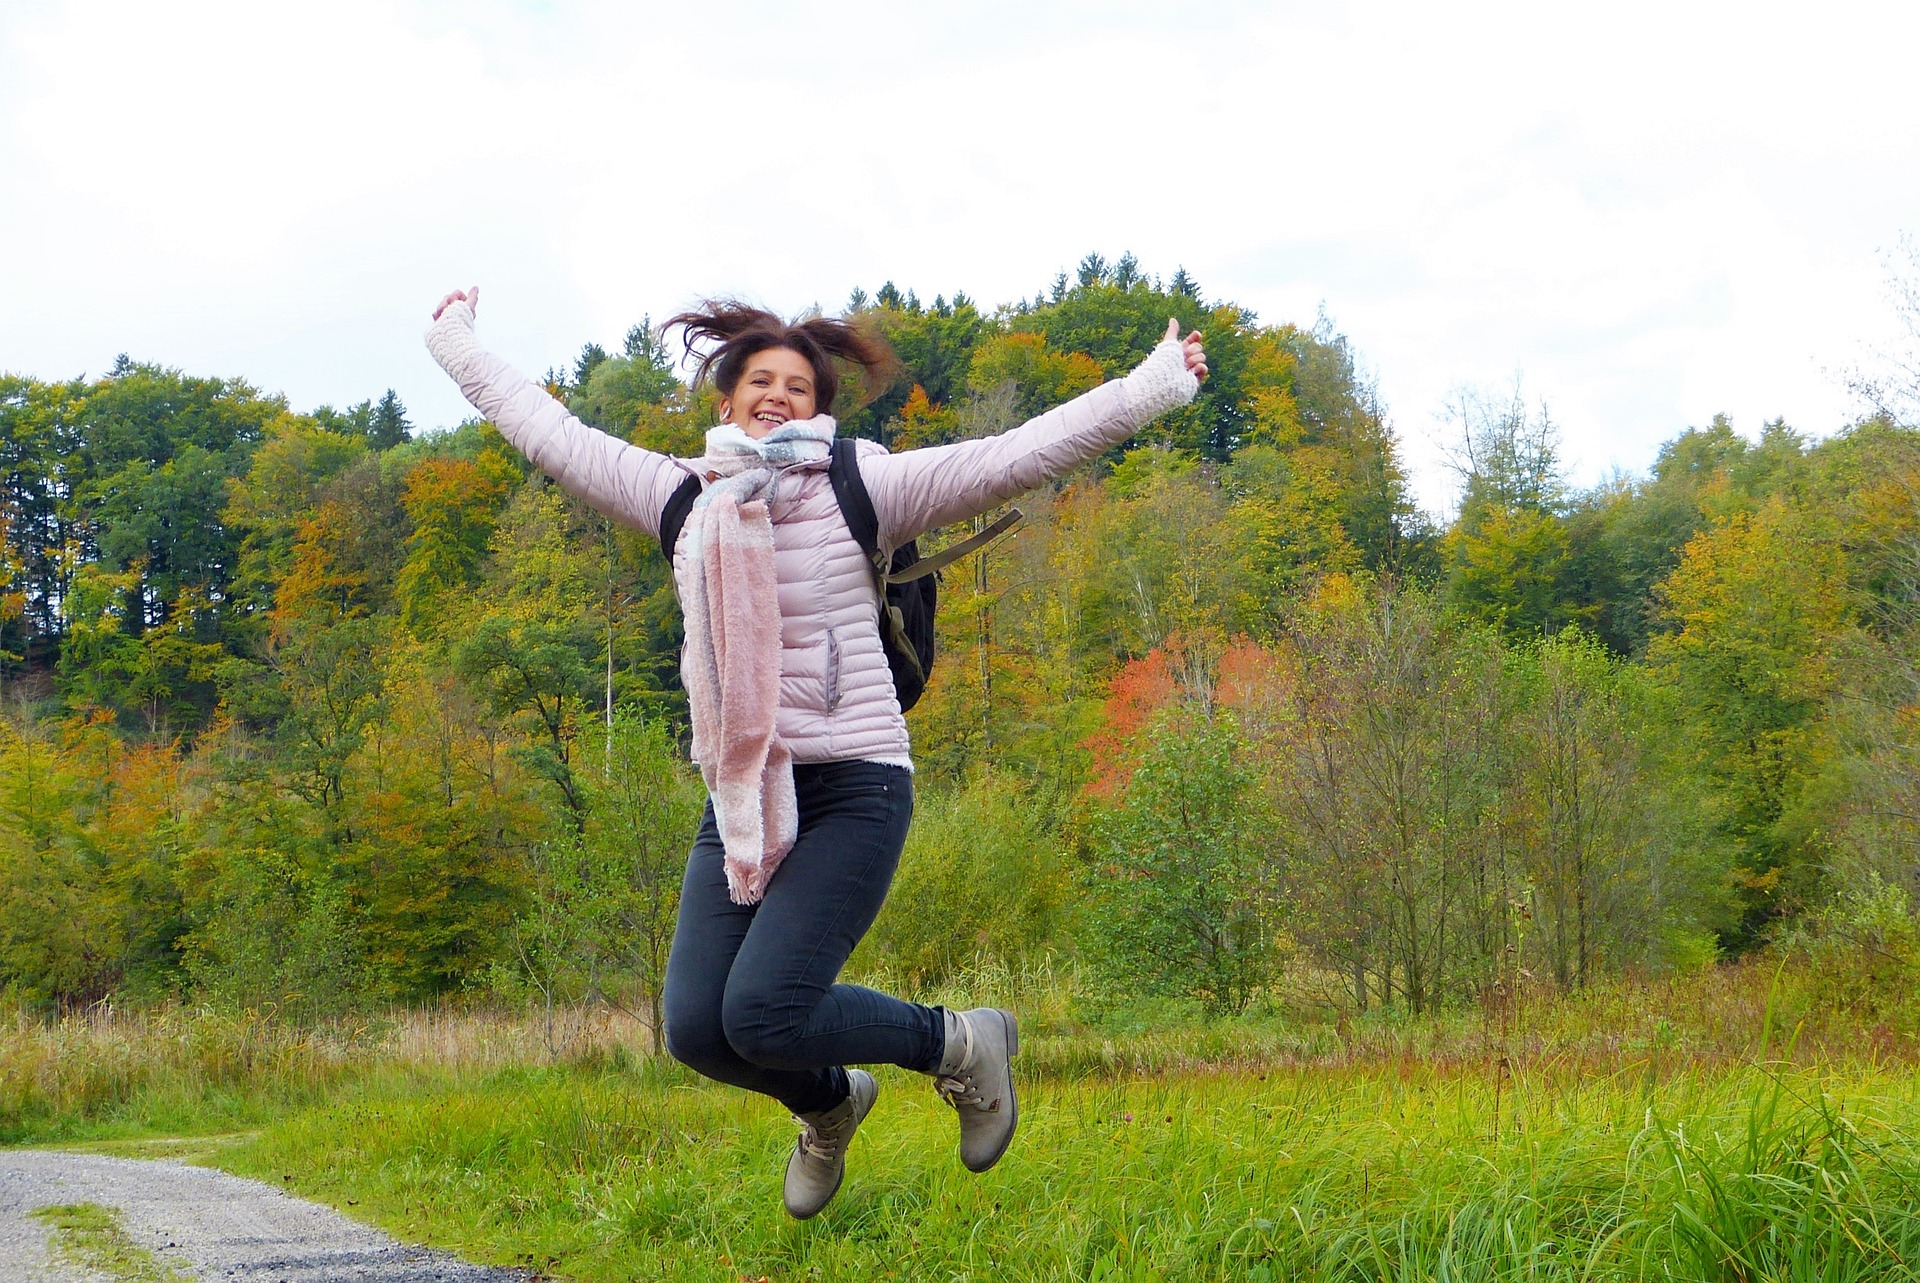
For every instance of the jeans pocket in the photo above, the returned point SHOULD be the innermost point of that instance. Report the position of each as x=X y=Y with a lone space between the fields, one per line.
x=840 y=780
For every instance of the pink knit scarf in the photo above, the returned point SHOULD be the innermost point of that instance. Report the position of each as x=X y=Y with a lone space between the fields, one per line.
x=731 y=663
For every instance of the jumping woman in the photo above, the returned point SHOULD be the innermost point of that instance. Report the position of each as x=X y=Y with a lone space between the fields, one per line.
x=796 y=725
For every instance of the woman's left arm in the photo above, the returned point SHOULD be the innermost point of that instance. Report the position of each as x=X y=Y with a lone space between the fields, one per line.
x=916 y=490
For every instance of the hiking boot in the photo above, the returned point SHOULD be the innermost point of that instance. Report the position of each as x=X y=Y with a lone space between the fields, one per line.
x=976 y=1077
x=819 y=1161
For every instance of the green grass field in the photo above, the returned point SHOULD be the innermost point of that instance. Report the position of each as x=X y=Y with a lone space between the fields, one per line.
x=1384 y=1174
x=1633 y=1134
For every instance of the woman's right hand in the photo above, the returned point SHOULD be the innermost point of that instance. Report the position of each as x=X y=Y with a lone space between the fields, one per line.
x=471 y=297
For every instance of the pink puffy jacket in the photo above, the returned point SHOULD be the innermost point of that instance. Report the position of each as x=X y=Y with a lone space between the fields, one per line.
x=836 y=693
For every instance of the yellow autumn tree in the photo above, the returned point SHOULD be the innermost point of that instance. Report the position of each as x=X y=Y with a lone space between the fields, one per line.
x=1044 y=376
x=452 y=504
x=1757 y=611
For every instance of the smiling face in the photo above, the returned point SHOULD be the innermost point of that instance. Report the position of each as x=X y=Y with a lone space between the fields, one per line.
x=776 y=385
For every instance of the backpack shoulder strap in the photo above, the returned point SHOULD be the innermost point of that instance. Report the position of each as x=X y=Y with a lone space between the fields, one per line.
x=674 y=515
x=856 y=505
x=954 y=552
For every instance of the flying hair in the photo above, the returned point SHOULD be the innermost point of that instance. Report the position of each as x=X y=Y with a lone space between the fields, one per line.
x=731 y=332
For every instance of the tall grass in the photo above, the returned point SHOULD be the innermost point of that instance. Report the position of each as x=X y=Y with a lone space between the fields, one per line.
x=109 y=1070
x=196 y=1067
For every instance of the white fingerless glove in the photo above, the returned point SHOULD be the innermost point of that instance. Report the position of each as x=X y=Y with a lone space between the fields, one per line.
x=1160 y=383
x=451 y=338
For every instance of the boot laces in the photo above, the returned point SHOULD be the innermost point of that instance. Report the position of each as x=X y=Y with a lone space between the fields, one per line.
x=960 y=1089
x=818 y=1142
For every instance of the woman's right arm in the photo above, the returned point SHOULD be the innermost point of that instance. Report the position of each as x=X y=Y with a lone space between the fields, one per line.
x=621 y=480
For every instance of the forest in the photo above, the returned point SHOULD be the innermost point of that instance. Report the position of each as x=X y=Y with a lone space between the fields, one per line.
x=312 y=711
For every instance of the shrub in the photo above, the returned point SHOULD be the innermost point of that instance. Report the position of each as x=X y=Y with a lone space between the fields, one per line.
x=1182 y=902
x=980 y=880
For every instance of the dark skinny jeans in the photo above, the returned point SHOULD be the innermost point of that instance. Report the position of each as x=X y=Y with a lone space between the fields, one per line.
x=751 y=997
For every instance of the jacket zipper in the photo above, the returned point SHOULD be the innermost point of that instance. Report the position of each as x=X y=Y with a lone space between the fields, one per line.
x=833 y=669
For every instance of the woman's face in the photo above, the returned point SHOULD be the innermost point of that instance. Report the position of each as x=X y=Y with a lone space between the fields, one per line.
x=777 y=385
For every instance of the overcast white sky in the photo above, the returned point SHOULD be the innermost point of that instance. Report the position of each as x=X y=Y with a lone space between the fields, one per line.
x=1650 y=212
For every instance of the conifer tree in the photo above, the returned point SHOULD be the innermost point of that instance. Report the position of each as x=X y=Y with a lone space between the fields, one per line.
x=389 y=426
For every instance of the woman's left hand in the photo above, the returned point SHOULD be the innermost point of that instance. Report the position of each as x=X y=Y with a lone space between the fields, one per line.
x=470 y=297
x=1195 y=354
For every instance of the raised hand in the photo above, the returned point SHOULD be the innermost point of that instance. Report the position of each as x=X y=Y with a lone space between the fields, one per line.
x=1195 y=354
x=471 y=297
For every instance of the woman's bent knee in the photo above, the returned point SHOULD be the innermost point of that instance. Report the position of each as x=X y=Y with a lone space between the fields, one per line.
x=759 y=1040
x=700 y=1045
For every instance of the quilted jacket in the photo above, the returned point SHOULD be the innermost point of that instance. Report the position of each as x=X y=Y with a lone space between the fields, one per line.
x=836 y=692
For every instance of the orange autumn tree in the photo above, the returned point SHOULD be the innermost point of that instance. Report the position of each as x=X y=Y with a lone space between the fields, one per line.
x=318 y=584
x=1183 y=670
x=922 y=423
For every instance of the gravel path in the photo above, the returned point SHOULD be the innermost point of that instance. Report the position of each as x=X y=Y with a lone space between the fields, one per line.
x=207 y=1223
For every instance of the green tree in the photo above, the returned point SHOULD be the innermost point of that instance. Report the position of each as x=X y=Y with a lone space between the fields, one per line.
x=49 y=946
x=267 y=924
x=442 y=825
x=41 y=462
x=13 y=594
x=1758 y=610
x=616 y=391
x=1625 y=536
x=389 y=426
x=1507 y=553
x=1182 y=901
x=934 y=346
x=530 y=654
x=1601 y=871
x=321 y=692
x=286 y=478
x=1285 y=528
x=598 y=919
x=1386 y=763
x=100 y=658
x=1041 y=377
x=591 y=357
x=155 y=438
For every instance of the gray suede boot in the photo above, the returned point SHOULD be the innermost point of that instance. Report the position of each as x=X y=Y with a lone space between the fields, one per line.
x=819 y=1161
x=976 y=1077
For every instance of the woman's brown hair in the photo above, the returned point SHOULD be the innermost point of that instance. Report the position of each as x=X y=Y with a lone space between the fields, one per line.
x=740 y=331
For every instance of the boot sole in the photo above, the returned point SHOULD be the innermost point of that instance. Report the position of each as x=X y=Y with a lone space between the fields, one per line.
x=1013 y=1097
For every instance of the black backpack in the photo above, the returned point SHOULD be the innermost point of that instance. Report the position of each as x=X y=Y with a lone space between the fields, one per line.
x=909 y=588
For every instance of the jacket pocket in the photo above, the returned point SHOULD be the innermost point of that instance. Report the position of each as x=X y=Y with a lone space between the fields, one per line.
x=833 y=669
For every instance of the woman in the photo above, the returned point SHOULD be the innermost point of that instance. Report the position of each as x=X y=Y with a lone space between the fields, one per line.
x=796 y=727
